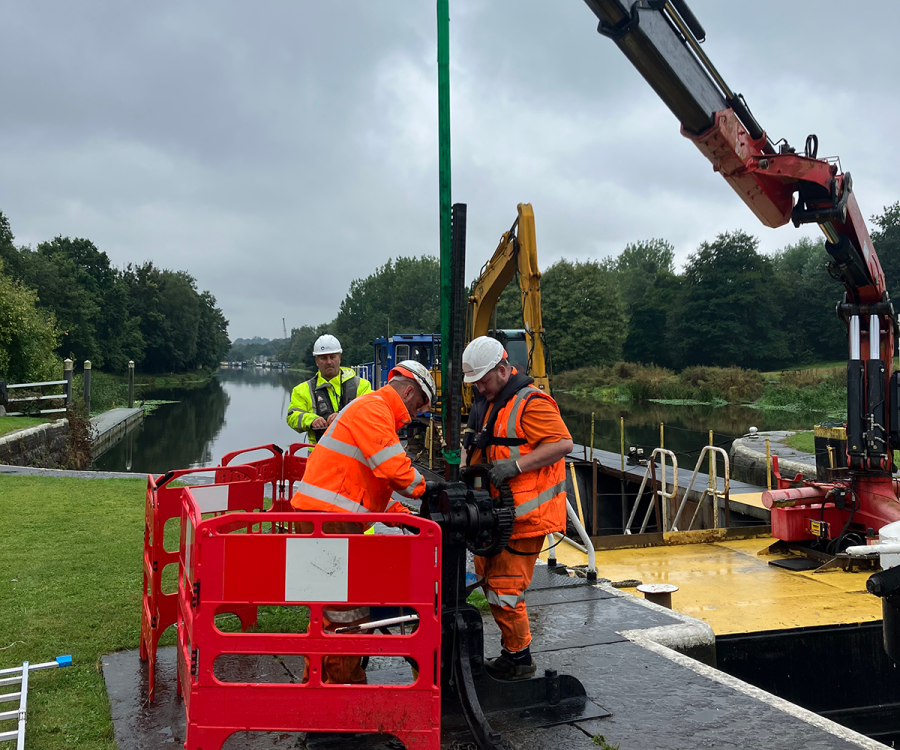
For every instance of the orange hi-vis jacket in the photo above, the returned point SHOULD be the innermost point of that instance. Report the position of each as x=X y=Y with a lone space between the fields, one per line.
x=540 y=494
x=359 y=461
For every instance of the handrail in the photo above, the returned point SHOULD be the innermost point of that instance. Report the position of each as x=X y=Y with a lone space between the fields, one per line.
x=10 y=386
x=712 y=490
x=660 y=495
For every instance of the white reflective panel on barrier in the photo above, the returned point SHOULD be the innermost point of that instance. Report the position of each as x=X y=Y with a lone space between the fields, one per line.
x=211 y=498
x=316 y=570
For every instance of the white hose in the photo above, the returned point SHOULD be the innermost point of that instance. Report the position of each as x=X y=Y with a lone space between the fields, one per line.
x=861 y=550
x=588 y=547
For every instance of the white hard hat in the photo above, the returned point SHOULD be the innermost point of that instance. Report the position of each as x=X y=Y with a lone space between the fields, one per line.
x=409 y=368
x=327 y=344
x=480 y=357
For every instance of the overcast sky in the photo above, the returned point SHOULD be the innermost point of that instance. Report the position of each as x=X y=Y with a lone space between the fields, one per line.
x=278 y=150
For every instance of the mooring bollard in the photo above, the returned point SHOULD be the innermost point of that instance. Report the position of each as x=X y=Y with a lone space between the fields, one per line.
x=67 y=376
x=87 y=386
x=130 y=383
x=658 y=593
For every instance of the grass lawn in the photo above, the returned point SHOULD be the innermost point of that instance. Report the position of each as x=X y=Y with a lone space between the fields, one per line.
x=805 y=441
x=840 y=364
x=8 y=424
x=802 y=441
x=70 y=583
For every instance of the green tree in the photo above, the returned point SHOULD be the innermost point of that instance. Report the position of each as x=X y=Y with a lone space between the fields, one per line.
x=297 y=347
x=181 y=305
x=173 y=317
x=9 y=254
x=638 y=265
x=584 y=317
x=402 y=296
x=61 y=289
x=145 y=304
x=886 y=240
x=212 y=333
x=729 y=311
x=812 y=328
x=646 y=338
x=88 y=297
x=28 y=335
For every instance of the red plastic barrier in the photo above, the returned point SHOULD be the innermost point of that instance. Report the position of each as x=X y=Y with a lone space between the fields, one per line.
x=222 y=570
x=294 y=468
x=162 y=503
x=280 y=470
x=268 y=470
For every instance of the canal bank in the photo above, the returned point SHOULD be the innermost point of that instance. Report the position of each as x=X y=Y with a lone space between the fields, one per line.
x=572 y=629
x=245 y=407
x=46 y=444
x=111 y=426
x=239 y=408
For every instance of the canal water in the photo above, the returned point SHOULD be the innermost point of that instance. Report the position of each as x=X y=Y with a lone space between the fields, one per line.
x=244 y=408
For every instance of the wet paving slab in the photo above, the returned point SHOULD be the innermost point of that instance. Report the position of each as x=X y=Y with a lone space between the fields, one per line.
x=657 y=697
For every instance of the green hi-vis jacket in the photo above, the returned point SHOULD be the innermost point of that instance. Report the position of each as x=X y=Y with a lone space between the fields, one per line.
x=318 y=397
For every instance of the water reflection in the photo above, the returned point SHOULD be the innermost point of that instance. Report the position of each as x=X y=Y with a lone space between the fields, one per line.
x=686 y=427
x=244 y=408
x=237 y=409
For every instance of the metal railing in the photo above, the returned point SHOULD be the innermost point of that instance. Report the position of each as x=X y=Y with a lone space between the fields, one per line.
x=661 y=495
x=366 y=371
x=712 y=491
x=32 y=386
x=65 y=396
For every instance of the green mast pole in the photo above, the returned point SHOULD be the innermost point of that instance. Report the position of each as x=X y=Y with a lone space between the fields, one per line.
x=451 y=456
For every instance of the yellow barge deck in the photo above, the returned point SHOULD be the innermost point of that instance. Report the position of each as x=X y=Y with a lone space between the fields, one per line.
x=731 y=586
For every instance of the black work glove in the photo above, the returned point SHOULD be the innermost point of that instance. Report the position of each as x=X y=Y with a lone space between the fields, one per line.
x=504 y=472
x=432 y=488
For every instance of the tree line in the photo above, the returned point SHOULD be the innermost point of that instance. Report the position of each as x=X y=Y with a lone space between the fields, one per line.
x=729 y=306
x=65 y=299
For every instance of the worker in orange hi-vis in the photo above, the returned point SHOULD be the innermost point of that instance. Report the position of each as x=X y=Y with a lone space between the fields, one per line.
x=356 y=467
x=517 y=429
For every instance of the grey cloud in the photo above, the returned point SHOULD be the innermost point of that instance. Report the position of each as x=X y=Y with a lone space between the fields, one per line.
x=278 y=150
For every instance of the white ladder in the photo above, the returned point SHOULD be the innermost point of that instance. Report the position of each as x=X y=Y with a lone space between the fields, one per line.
x=20 y=677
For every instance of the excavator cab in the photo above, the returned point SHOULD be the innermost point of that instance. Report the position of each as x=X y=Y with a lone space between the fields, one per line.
x=516 y=344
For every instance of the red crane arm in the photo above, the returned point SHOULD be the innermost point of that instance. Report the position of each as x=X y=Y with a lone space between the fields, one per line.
x=661 y=38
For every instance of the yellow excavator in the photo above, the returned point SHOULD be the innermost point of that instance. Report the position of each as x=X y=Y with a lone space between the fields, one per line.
x=516 y=255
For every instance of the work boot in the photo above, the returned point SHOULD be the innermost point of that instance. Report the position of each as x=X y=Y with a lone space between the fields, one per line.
x=511 y=666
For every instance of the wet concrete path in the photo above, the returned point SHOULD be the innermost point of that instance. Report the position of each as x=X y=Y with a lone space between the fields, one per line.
x=628 y=654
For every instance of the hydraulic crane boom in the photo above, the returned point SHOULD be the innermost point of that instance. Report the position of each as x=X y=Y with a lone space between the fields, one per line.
x=661 y=38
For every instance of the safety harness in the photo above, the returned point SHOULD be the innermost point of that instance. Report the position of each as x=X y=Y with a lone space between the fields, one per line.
x=479 y=439
x=321 y=403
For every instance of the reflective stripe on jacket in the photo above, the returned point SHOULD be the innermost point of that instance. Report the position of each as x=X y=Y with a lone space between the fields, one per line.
x=540 y=494
x=302 y=412
x=360 y=462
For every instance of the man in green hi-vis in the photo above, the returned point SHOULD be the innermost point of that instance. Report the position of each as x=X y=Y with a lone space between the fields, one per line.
x=316 y=402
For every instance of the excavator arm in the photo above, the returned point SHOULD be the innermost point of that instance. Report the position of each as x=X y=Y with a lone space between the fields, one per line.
x=517 y=252
x=661 y=38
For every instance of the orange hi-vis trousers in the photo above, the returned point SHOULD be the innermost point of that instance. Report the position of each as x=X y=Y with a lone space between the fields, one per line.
x=506 y=576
